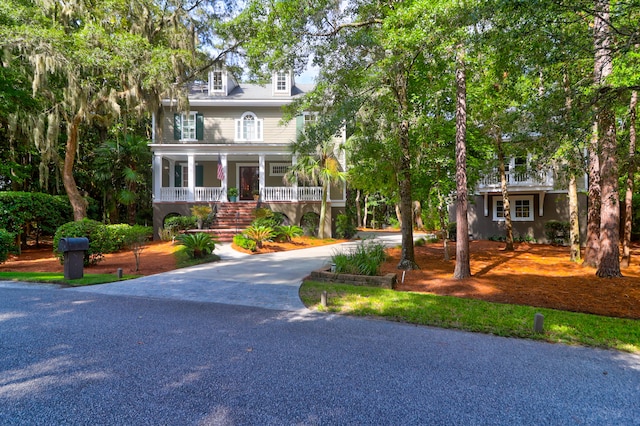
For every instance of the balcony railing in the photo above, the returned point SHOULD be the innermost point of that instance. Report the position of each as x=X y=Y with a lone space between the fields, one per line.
x=214 y=194
x=519 y=179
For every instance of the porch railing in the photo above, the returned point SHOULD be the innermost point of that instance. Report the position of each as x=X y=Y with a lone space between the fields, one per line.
x=519 y=178
x=213 y=194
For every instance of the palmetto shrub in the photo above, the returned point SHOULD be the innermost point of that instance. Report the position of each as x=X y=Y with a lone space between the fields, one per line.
x=198 y=245
x=363 y=259
x=287 y=232
x=259 y=234
x=242 y=241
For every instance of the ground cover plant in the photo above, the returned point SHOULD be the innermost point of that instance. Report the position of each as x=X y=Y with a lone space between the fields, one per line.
x=58 y=278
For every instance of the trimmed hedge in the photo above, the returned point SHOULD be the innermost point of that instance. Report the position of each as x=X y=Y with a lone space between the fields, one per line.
x=7 y=244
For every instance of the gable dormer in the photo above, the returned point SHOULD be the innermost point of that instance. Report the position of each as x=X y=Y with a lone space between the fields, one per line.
x=282 y=83
x=221 y=83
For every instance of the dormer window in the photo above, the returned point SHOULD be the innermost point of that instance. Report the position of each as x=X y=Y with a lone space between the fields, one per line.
x=216 y=84
x=249 y=127
x=282 y=82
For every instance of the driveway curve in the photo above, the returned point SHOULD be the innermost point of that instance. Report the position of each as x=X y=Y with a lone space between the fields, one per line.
x=269 y=281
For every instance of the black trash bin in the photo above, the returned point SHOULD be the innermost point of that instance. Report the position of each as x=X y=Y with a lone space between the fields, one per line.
x=73 y=250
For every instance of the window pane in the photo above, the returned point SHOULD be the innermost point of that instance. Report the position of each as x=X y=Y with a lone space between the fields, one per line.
x=189 y=126
x=499 y=209
x=249 y=127
x=217 y=80
x=281 y=82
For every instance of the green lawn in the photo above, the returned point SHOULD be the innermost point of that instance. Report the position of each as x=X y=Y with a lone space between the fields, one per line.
x=474 y=315
x=58 y=278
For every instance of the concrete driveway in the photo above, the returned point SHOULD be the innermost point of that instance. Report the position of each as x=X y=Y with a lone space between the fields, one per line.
x=268 y=281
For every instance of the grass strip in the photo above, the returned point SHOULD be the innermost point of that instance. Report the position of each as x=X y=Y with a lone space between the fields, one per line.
x=475 y=315
x=58 y=278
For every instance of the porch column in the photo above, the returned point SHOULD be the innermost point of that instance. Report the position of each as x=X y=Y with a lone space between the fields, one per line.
x=191 y=177
x=294 y=185
x=172 y=173
x=225 y=180
x=157 y=177
x=262 y=174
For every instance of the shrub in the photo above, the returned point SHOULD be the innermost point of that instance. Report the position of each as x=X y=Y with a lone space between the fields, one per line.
x=287 y=232
x=100 y=240
x=198 y=245
x=363 y=259
x=242 y=241
x=309 y=223
x=345 y=227
x=557 y=232
x=259 y=234
x=202 y=214
x=452 y=231
x=7 y=244
x=266 y=217
x=176 y=224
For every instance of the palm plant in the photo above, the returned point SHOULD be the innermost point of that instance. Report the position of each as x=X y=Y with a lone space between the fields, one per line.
x=287 y=232
x=317 y=166
x=259 y=234
x=198 y=245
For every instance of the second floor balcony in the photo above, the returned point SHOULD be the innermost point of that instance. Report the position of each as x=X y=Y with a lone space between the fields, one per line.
x=518 y=180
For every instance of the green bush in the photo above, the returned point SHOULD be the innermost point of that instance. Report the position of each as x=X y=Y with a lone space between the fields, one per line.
x=125 y=236
x=259 y=234
x=176 y=224
x=242 y=241
x=345 y=227
x=198 y=245
x=452 y=231
x=557 y=232
x=364 y=259
x=287 y=232
x=100 y=239
x=266 y=217
x=7 y=244
x=309 y=223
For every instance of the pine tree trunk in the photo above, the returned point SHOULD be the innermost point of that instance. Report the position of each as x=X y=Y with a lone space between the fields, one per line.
x=593 y=211
x=463 y=267
x=609 y=253
x=407 y=256
x=628 y=198
x=78 y=203
x=506 y=206
x=574 y=222
x=358 y=213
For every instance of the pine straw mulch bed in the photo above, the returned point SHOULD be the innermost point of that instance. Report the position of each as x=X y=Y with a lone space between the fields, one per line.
x=534 y=274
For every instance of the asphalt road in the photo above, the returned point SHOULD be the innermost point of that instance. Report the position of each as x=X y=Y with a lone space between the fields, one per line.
x=71 y=357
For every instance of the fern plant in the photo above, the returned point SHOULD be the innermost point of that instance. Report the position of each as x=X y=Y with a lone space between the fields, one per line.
x=259 y=234
x=198 y=245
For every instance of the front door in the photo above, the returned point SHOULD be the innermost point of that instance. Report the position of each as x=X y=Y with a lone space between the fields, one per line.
x=249 y=181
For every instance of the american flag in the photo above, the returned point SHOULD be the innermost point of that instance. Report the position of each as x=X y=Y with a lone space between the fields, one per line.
x=220 y=169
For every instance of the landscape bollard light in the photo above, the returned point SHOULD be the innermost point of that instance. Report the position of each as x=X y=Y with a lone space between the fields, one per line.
x=538 y=323
x=323 y=299
x=119 y=273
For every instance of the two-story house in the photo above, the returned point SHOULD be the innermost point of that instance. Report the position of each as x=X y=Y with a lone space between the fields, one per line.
x=536 y=196
x=232 y=137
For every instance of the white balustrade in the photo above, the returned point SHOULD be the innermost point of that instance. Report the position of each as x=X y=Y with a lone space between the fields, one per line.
x=313 y=193
x=538 y=178
x=208 y=194
x=272 y=193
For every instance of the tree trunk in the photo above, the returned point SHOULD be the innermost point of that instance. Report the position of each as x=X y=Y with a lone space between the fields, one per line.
x=323 y=210
x=78 y=203
x=366 y=211
x=442 y=215
x=506 y=206
x=407 y=257
x=417 y=214
x=399 y=214
x=609 y=253
x=358 y=213
x=593 y=211
x=631 y=170
x=574 y=222
x=463 y=268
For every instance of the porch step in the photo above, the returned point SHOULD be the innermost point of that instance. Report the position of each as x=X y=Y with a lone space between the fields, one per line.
x=231 y=218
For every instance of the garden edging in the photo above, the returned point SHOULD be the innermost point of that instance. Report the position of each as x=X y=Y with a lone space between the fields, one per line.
x=325 y=275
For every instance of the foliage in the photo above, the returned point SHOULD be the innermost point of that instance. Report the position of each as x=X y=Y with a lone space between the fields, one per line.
x=345 y=227
x=198 y=245
x=452 y=228
x=557 y=232
x=203 y=215
x=309 y=223
x=259 y=234
x=100 y=239
x=58 y=277
x=24 y=212
x=177 y=224
x=232 y=192
x=266 y=217
x=287 y=232
x=7 y=244
x=363 y=259
x=242 y=241
x=475 y=315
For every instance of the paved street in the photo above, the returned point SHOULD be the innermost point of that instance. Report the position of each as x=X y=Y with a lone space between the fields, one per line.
x=229 y=344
